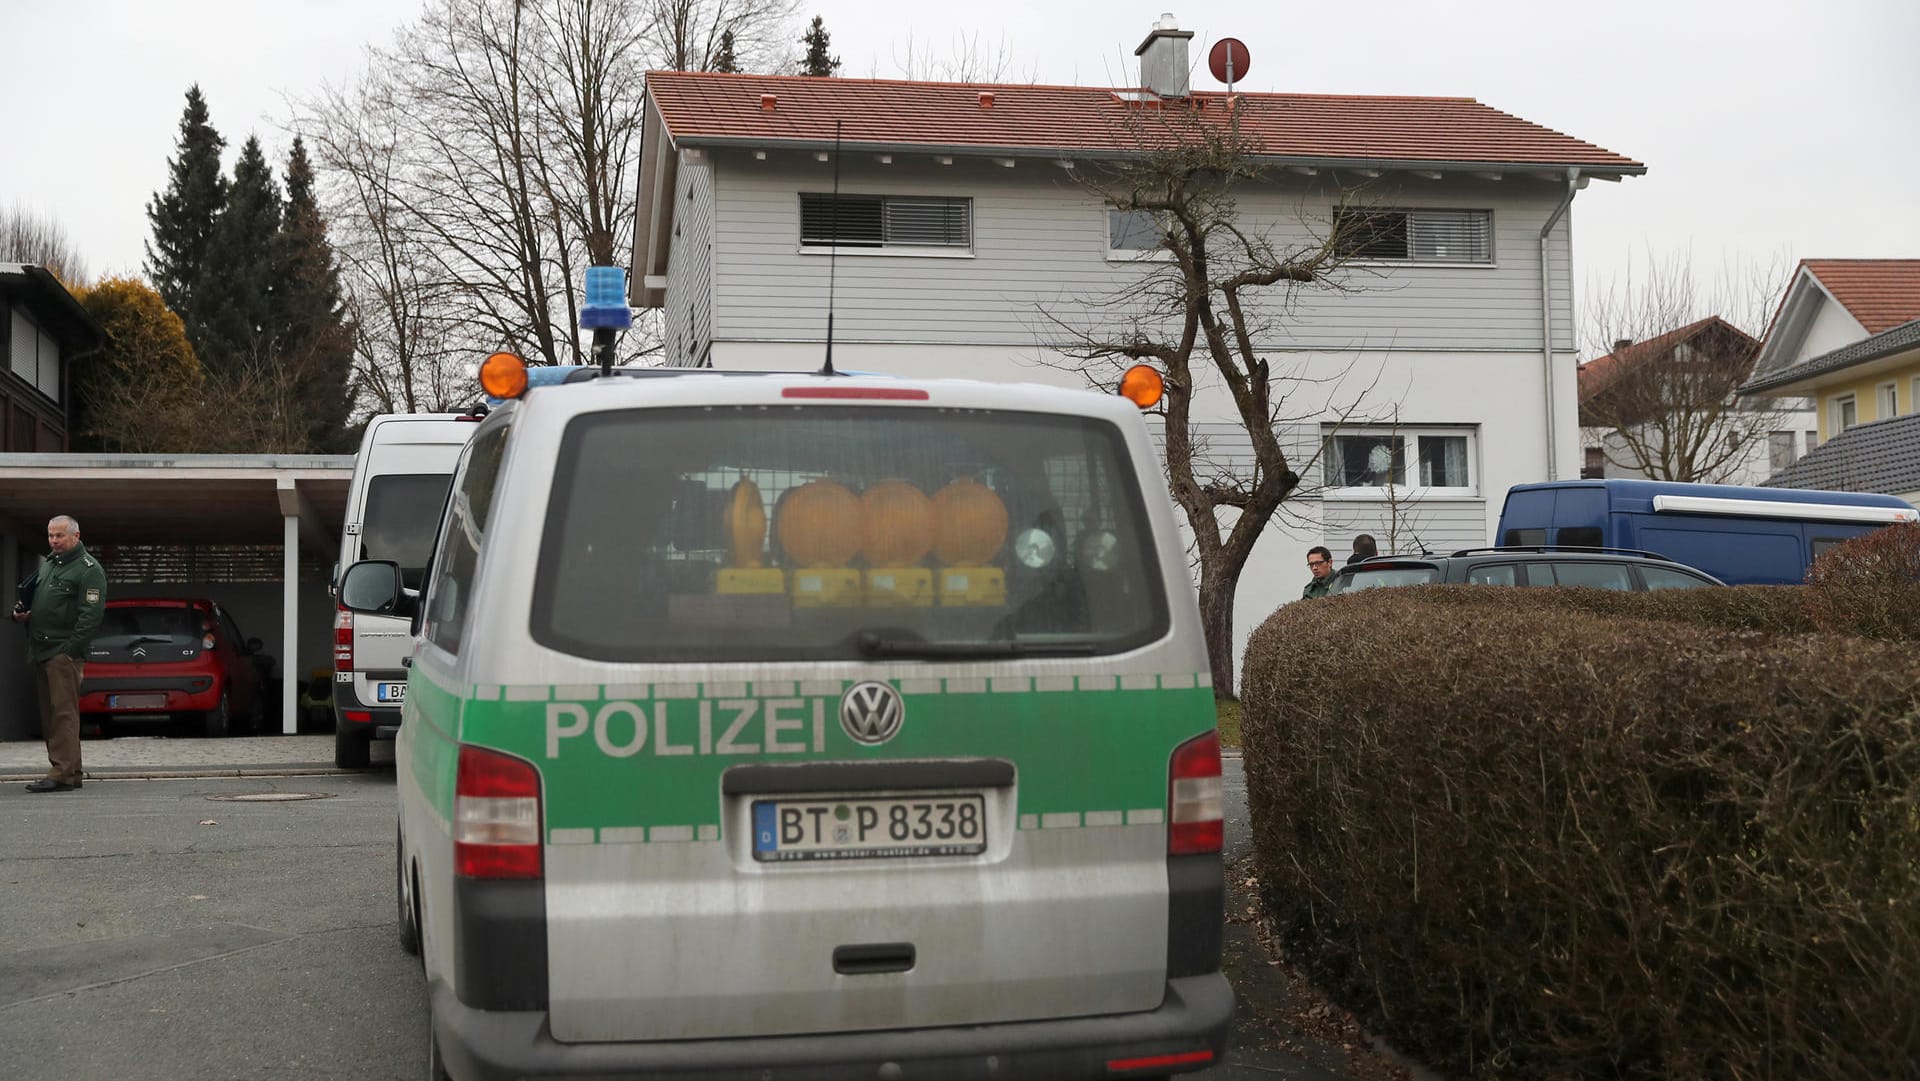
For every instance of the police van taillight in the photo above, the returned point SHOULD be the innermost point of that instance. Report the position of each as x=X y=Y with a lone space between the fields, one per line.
x=1194 y=818
x=343 y=641
x=496 y=816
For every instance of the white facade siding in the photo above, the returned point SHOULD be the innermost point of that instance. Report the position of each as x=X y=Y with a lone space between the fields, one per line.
x=1039 y=253
x=1832 y=327
x=688 y=310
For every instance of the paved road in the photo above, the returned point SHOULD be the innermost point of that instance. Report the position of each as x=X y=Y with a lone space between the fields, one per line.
x=153 y=933
x=148 y=930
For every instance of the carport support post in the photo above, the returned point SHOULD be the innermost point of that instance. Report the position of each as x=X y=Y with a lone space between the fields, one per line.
x=289 y=622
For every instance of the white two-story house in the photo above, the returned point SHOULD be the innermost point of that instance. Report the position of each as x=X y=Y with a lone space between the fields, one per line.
x=1437 y=374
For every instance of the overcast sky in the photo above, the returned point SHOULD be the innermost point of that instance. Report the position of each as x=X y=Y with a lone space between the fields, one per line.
x=1772 y=130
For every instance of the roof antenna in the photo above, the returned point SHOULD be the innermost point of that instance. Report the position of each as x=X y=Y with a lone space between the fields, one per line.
x=833 y=253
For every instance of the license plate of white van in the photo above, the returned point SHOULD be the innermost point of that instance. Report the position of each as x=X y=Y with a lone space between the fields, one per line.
x=390 y=692
x=869 y=827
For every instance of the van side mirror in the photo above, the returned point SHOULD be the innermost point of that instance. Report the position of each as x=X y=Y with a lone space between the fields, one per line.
x=374 y=587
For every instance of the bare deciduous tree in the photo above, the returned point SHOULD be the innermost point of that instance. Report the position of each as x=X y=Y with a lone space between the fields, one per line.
x=474 y=171
x=967 y=62
x=687 y=35
x=1203 y=315
x=1662 y=402
x=27 y=237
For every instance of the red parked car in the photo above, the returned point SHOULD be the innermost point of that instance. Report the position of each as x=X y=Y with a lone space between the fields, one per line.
x=174 y=660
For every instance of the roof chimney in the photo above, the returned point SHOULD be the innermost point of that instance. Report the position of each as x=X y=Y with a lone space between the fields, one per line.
x=1620 y=344
x=1163 y=58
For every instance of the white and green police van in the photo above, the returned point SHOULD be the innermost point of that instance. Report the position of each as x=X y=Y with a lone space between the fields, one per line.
x=805 y=726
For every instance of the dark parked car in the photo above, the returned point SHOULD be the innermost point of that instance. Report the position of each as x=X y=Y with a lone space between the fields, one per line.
x=174 y=659
x=1594 y=568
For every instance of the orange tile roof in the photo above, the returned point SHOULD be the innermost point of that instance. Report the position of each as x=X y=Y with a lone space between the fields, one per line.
x=700 y=107
x=1880 y=293
x=1601 y=372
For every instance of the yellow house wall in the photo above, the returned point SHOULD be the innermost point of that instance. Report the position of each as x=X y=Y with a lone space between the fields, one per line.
x=1866 y=399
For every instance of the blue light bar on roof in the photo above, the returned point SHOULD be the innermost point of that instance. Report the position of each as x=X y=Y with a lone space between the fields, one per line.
x=606 y=306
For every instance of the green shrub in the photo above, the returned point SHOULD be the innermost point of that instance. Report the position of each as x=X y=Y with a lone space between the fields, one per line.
x=1548 y=833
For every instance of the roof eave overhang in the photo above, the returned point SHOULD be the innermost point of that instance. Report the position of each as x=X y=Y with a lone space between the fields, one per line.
x=653 y=214
x=1084 y=153
x=1789 y=384
x=77 y=328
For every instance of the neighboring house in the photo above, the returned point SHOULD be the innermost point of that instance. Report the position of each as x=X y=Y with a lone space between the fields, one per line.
x=45 y=329
x=965 y=238
x=1847 y=335
x=1874 y=451
x=1666 y=409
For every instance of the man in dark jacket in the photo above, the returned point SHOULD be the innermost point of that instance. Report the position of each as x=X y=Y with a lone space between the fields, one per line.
x=68 y=601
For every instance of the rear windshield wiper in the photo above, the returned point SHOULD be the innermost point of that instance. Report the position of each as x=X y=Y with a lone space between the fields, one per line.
x=878 y=645
x=139 y=638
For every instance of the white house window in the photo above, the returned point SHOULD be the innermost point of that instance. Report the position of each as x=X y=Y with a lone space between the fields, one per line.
x=1780 y=451
x=1813 y=440
x=1415 y=236
x=885 y=221
x=1373 y=464
x=1134 y=234
x=1846 y=413
x=1913 y=396
x=1886 y=401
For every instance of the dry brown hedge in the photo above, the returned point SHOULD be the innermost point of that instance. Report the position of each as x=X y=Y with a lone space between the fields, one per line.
x=1869 y=586
x=1560 y=833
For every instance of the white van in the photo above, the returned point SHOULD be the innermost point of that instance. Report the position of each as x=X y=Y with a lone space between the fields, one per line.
x=803 y=726
x=399 y=487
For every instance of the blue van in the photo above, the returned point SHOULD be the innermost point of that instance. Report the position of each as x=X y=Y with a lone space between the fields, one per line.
x=1743 y=536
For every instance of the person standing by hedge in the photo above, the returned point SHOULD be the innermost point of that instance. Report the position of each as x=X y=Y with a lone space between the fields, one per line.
x=1320 y=563
x=68 y=602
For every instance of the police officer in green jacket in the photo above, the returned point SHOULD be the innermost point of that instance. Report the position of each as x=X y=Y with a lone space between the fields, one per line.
x=1320 y=565
x=69 y=598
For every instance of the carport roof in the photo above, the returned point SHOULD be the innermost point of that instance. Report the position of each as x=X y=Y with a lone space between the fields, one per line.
x=177 y=498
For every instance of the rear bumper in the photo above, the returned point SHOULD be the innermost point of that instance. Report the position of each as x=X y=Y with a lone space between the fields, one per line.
x=487 y=1045
x=177 y=698
x=352 y=715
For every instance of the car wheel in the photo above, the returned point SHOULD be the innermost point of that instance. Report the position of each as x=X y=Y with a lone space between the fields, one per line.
x=218 y=721
x=407 y=907
x=351 y=749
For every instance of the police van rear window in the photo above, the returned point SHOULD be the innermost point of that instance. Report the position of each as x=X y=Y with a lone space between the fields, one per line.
x=401 y=513
x=830 y=532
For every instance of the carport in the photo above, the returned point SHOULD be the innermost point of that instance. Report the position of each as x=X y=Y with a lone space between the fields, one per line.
x=258 y=533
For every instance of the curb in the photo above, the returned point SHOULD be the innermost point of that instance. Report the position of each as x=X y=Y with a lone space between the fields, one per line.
x=167 y=773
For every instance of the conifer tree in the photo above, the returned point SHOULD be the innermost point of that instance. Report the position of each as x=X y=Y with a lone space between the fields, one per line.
x=184 y=215
x=818 y=60
x=313 y=341
x=237 y=282
x=723 y=59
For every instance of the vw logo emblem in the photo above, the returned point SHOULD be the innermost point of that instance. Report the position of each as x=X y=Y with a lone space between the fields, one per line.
x=871 y=712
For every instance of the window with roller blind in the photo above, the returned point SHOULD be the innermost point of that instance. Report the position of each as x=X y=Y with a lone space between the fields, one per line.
x=1414 y=236
x=918 y=222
